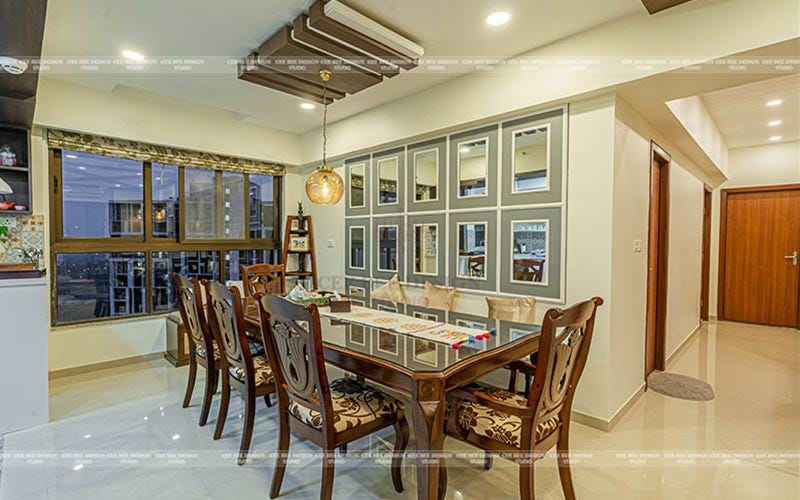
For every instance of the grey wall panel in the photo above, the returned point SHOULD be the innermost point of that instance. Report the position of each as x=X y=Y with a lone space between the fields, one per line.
x=348 y=165
x=455 y=260
x=349 y=269
x=411 y=275
x=551 y=288
x=552 y=193
x=436 y=147
x=456 y=142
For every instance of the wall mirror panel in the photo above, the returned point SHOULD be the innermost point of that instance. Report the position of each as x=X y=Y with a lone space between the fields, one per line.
x=473 y=168
x=388 y=169
x=531 y=240
x=357 y=247
x=425 y=313
x=426 y=257
x=388 y=247
x=427 y=175
x=533 y=157
x=357 y=290
x=473 y=250
x=426 y=248
x=357 y=191
x=357 y=174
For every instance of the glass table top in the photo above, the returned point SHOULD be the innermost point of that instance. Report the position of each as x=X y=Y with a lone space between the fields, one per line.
x=418 y=354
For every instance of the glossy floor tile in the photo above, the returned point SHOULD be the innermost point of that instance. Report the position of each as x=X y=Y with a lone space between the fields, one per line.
x=121 y=433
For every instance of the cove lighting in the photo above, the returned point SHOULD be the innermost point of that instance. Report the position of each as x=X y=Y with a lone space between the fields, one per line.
x=775 y=123
x=775 y=138
x=498 y=18
x=341 y=13
x=774 y=102
x=132 y=55
x=307 y=105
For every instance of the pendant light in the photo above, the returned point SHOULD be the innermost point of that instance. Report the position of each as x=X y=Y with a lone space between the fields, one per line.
x=324 y=186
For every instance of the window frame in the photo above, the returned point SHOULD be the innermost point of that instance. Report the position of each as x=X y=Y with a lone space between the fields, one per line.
x=147 y=243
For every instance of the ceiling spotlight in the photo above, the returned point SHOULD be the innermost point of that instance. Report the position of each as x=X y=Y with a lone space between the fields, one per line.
x=132 y=55
x=81 y=168
x=774 y=102
x=72 y=157
x=498 y=18
x=13 y=65
x=117 y=185
x=307 y=105
x=464 y=149
x=775 y=138
x=775 y=123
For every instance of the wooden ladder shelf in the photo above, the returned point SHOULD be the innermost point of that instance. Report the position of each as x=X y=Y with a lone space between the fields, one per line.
x=295 y=228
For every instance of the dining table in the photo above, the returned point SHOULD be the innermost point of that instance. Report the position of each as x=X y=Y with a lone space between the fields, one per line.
x=423 y=370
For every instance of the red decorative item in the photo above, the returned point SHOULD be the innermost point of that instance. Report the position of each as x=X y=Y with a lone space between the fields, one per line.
x=6 y=205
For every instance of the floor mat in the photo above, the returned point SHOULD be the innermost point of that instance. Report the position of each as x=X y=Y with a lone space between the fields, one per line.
x=680 y=386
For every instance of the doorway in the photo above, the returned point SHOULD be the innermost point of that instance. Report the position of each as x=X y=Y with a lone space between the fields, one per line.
x=759 y=272
x=705 y=270
x=657 y=260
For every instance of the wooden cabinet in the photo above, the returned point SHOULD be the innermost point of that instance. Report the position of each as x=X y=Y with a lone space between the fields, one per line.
x=15 y=170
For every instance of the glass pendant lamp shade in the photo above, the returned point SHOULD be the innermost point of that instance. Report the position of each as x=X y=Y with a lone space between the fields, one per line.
x=324 y=186
x=5 y=188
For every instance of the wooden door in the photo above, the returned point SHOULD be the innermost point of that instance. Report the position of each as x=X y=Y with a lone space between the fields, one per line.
x=759 y=270
x=657 y=261
x=706 y=263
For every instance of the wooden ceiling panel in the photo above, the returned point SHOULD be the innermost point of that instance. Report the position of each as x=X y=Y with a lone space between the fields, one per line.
x=251 y=72
x=654 y=6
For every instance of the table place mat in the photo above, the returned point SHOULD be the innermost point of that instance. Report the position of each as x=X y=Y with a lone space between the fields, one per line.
x=401 y=323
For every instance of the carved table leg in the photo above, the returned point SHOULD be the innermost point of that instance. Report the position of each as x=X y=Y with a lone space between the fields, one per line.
x=428 y=403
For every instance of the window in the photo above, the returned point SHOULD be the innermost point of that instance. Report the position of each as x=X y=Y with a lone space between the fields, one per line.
x=228 y=219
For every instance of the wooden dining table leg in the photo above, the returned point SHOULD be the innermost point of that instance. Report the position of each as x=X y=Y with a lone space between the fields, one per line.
x=428 y=404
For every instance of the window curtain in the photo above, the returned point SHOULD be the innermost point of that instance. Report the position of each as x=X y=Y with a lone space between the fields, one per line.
x=121 y=148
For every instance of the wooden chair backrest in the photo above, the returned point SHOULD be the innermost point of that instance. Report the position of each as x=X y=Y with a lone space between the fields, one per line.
x=227 y=320
x=187 y=290
x=528 y=270
x=563 y=349
x=293 y=340
x=476 y=264
x=264 y=279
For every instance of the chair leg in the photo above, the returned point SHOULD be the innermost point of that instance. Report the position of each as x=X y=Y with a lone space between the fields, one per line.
x=564 y=472
x=247 y=432
x=187 y=398
x=526 y=491
x=326 y=492
x=487 y=460
x=442 y=480
x=512 y=381
x=343 y=449
x=223 y=407
x=211 y=384
x=267 y=400
x=283 y=454
x=400 y=443
x=527 y=384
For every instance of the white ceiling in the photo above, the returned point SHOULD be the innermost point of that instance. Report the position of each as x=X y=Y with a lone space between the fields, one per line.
x=217 y=31
x=741 y=113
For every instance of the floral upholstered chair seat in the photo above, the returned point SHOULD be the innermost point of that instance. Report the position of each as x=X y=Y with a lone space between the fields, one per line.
x=262 y=369
x=497 y=425
x=201 y=351
x=353 y=404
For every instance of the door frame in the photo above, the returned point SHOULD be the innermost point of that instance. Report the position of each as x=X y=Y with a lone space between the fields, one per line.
x=706 y=263
x=723 y=233
x=657 y=260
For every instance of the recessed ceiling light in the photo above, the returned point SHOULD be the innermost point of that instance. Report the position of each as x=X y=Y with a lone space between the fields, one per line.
x=774 y=102
x=775 y=138
x=132 y=55
x=81 y=168
x=464 y=149
x=117 y=185
x=307 y=105
x=775 y=123
x=72 y=157
x=498 y=18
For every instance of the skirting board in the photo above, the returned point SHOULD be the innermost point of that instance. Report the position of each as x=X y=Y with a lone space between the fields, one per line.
x=66 y=372
x=608 y=425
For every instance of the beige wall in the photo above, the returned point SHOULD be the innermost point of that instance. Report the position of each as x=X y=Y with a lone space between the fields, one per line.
x=753 y=166
x=695 y=118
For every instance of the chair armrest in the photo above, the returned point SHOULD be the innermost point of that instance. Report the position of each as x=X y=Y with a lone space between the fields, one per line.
x=475 y=396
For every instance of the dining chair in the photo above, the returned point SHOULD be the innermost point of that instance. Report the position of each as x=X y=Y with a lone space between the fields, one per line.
x=475 y=265
x=264 y=279
x=201 y=341
x=528 y=270
x=524 y=429
x=329 y=415
x=250 y=375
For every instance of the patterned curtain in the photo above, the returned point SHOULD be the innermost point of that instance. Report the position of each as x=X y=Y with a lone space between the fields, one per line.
x=133 y=150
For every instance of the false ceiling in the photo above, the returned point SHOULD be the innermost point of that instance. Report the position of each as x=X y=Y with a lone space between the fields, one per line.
x=204 y=39
x=743 y=116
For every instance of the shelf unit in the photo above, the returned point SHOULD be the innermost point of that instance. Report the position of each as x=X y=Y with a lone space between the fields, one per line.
x=300 y=227
x=17 y=176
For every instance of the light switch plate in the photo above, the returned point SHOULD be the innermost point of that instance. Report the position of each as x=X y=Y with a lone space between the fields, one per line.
x=637 y=246
x=330 y=243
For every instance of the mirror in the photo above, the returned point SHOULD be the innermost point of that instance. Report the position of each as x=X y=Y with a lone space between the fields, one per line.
x=387 y=181
x=387 y=248
x=472 y=250
x=422 y=315
x=426 y=175
x=357 y=247
x=387 y=342
x=470 y=324
x=357 y=185
x=472 y=164
x=426 y=249
x=531 y=159
x=529 y=251
x=425 y=352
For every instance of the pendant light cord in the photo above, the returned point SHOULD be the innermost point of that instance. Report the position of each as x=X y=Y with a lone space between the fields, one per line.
x=325 y=75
